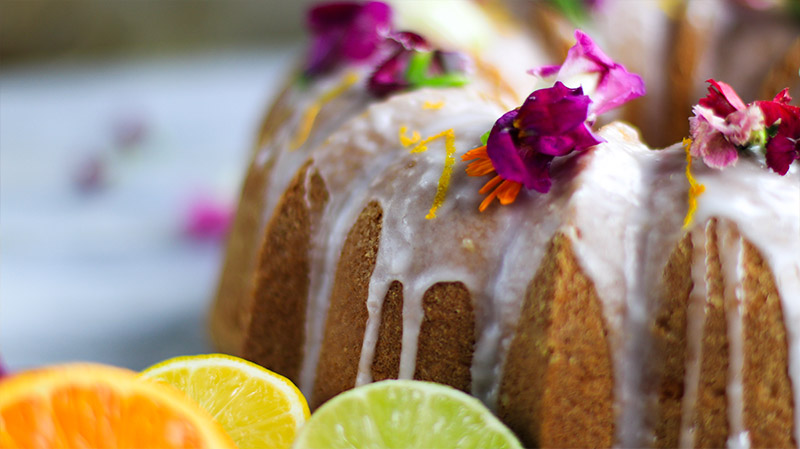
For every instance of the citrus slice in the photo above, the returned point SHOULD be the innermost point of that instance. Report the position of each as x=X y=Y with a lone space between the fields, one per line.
x=257 y=407
x=404 y=414
x=98 y=406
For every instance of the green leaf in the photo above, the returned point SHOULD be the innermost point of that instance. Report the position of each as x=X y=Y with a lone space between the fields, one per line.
x=485 y=137
x=418 y=66
x=574 y=10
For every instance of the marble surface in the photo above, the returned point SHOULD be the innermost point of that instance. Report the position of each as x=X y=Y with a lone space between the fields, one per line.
x=101 y=164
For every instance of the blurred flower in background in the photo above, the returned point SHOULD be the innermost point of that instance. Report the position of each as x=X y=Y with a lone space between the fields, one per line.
x=125 y=128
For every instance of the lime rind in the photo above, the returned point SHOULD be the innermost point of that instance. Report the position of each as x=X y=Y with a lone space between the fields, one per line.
x=398 y=414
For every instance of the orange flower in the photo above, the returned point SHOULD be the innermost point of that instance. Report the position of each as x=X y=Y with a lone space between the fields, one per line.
x=503 y=189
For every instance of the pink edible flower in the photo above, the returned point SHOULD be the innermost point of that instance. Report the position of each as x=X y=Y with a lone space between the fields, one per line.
x=606 y=82
x=723 y=127
x=717 y=139
x=208 y=220
x=345 y=31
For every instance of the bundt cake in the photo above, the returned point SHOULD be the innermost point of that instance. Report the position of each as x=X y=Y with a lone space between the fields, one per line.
x=616 y=296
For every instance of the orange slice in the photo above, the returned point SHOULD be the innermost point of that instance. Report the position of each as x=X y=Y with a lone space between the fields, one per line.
x=97 y=406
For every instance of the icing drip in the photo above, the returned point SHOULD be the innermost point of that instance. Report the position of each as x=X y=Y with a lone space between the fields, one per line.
x=731 y=255
x=695 y=317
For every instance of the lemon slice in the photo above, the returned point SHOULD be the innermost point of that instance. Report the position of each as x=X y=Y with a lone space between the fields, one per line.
x=257 y=407
x=404 y=414
x=92 y=405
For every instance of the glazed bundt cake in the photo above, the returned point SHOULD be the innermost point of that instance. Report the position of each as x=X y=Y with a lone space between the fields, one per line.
x=613 y=295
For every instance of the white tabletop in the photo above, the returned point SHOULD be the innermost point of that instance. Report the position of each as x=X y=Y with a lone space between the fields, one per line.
x=107 y=272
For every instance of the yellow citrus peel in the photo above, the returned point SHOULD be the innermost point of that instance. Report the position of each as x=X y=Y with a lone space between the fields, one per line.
x=431 y=105
x=695 y=189
x=449 y=137
x=405 y=140
x=310 y=114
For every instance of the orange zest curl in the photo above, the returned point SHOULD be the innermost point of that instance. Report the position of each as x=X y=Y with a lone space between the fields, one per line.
x=503 y=189
x=405 y=140
x=695 y=189
x=432 y=105
x=420 y=146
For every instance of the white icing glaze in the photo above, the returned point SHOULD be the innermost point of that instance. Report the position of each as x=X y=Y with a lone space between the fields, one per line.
x=731 y=258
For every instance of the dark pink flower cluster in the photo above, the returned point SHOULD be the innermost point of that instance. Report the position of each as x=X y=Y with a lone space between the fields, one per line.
x=783 y=132
x=723 y=127
x=345 y=32
x=348 y=32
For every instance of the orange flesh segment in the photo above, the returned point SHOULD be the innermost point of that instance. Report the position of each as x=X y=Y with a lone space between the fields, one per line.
x=94 y=416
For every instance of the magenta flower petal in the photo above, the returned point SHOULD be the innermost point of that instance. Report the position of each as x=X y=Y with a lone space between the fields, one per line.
x=721 y=99
x=389 y=76
x=345 y=31
x=545 y=71
x=552 y=111
x=781 y=152
x=502 y=150
x=783 y=97
x=784 y=147
x=615 y=85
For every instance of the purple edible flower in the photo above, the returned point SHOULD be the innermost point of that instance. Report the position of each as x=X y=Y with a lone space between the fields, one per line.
x=551 y=122
x=606 y=82
x=345 y=31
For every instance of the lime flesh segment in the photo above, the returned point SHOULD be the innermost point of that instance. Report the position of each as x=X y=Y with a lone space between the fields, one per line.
x=257 y=407
x=404 y=414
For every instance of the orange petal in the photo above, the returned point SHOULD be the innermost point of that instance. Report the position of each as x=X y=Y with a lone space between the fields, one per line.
x=475 y=153
x=508 y=191
x=480 y=168
x=486 y=201
x=490 y=185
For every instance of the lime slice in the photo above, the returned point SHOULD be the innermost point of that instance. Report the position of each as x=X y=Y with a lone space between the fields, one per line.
x=257 y=407
x=404 y=414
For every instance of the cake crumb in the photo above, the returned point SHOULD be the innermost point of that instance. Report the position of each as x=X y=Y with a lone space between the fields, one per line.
x=468 y=245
